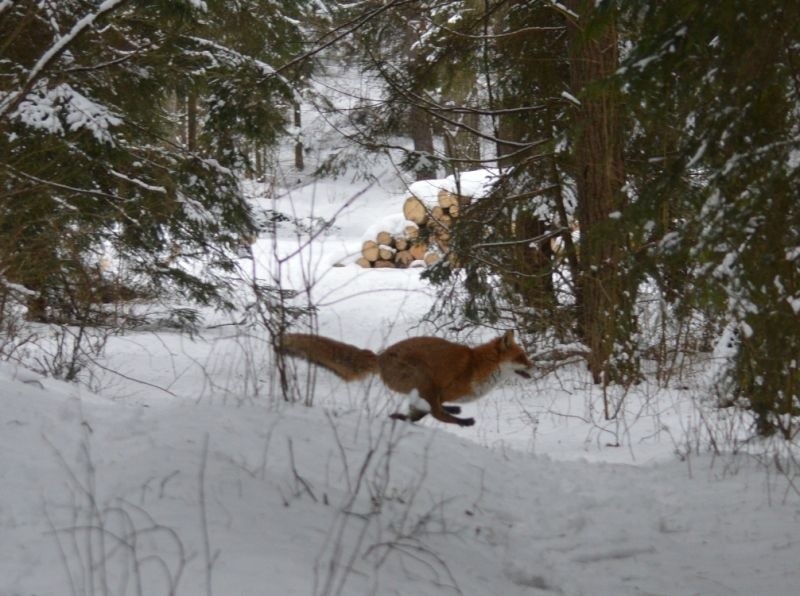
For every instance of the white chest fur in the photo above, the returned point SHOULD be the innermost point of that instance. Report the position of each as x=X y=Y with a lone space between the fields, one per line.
x=504 y=373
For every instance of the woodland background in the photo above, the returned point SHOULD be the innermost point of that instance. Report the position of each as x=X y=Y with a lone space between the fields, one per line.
x=178 y=181
x=668 y=133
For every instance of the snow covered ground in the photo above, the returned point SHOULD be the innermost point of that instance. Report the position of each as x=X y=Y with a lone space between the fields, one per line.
x=177 y=469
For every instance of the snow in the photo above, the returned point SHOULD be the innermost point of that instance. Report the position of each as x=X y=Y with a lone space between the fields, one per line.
x=140 y=183
x=395 y=224
x=299 y=502
x=179 y=469
x=571 y=98
x=35 y=73
x=45 y=109
x=175 y=466
x=475 y=184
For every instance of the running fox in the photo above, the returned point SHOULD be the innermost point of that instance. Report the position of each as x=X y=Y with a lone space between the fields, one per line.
x=430 y=369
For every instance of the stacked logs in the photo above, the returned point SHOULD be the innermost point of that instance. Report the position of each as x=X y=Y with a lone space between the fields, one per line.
x=426 y=236
x=394 y=250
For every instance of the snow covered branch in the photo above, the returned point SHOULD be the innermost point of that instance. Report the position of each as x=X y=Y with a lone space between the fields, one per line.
x=12 y=100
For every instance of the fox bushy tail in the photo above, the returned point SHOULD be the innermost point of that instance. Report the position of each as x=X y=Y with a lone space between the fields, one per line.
x=346 y=361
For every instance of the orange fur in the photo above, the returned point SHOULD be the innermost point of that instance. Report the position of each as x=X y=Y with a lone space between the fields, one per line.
x=433 y=369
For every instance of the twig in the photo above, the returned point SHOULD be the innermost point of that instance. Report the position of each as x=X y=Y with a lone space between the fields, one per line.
x=298 y=478
x=204 y=518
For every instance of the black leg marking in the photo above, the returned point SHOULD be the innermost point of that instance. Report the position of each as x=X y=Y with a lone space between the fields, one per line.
x=413 y=415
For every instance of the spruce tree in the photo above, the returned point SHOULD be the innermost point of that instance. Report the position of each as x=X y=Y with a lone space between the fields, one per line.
x=94 y=165
x=727 y=76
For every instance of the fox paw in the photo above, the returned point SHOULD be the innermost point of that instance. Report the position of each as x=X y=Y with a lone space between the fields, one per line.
x=466 y=421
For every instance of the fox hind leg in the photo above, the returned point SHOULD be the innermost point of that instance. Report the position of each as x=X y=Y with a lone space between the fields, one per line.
x=413 y=415
x=441 y=414
x=432 y=396
x=420 y=406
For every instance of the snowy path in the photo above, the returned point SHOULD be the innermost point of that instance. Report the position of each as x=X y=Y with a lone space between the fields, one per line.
x=300 y=501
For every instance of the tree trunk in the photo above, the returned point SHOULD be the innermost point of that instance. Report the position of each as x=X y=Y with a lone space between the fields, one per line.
x=419 y=124
x=299 y=161
x=191 y=121
x=461 y=143
x=605 y=313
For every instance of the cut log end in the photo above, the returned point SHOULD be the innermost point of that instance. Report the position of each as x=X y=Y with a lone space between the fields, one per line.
x=418 y=251
x=415 y=210
x=404 y=258
x=447 y=199
x=370 y=250
x=384 y=238
x=385 y=252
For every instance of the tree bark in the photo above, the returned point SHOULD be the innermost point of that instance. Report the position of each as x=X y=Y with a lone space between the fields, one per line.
x=461 y=142
x=191 y=121
x=419 y=124
x=299 y=161
x=599 y=173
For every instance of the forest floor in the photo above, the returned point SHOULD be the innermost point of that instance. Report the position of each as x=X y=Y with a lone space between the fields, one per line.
x=176 y=467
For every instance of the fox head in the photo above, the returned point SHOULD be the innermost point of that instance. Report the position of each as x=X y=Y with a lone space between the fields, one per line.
x=512 y=356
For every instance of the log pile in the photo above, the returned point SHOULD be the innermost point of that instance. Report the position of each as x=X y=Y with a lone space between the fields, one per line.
x=424 y=240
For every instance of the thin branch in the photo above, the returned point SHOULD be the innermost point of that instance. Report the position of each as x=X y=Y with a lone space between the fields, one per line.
x=536 y=239
x=489 y=37
x=340 y=32
x=204 y=518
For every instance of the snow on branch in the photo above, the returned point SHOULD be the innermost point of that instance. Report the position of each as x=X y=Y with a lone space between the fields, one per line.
x=45 y=109
x=219 y=52
x=558 y=6
x=234 y=57
x=140 y=183
x=12 y=100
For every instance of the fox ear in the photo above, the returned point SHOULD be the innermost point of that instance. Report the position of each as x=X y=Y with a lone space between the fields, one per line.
x=508 y=339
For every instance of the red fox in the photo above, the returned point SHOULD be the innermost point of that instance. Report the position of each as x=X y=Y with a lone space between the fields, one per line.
x=430 y=369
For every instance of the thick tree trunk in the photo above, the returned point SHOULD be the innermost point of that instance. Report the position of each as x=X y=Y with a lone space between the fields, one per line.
x=507 y=130
x=530 y=271
x=419 y=124
x=599 y=173
x=461 y=142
